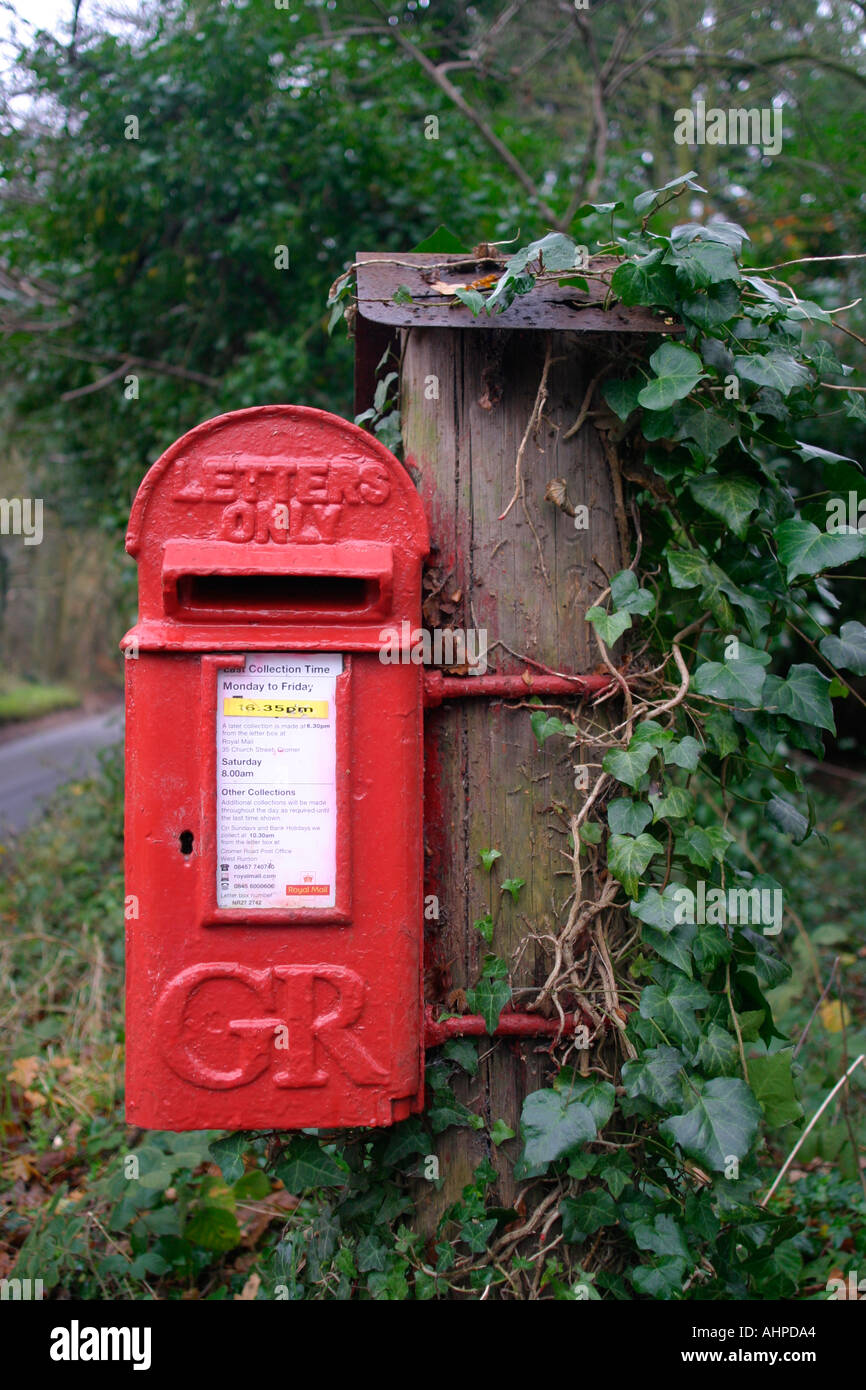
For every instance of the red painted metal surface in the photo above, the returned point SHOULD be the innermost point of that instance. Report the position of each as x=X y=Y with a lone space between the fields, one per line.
x=273 y=530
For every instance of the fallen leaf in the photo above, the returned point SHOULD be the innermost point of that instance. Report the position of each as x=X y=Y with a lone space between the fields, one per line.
x=835 y=1015
x=24 y=1071
x=19 y=1167
x=35 y=1098
x=249 y=1290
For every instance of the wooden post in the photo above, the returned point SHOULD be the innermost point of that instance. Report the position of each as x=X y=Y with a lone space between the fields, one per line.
x=470 y=389
x=528 y=579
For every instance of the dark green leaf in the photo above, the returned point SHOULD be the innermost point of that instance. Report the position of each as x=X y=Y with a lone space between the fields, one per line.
x=720 y=1125
x=677 y=370
x=628 y=857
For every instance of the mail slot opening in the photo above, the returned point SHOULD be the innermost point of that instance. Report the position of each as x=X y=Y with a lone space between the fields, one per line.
x=288 y=593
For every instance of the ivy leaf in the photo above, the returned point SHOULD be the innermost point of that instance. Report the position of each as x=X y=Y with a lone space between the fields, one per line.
x=731 y=498
x=650 y=731
x=645 y=280
x=627 y=817
x=813 y=453
x=777 y=369
x=228 y=1153
x=555 y=251
x=621 y=396
x=806 y=550
x=500 y=1133
x=484 y=925
x=408 y=1138
x=709 y=309
x=512 y=886
x=703 y=263
x=552 y=1125
x=489 y=856
x=628 y=857
x=662 y=1236
x=403 y=295
x=656 y=1076
x=772 y=1082
x=711 y=947
x=658 y=910
x=628 y=765
x=627 y=596
x=663 y=1279
x=254 y=1186
x=371 y=1253
x=583 y=1215
x=722 y=1123
x=728 y=233
x=855 y=407
x=472 y=299
x=848 y=650
x=672 y=1007
x=709 y=430
x=463 y=1051
x=739 y=682
x=544 y=725
x=685 y=753
x=598 y=1096
x=448 y=1111
x=305 y=1164
x=717 y=1053
x=443 y=241
x=489 y=998
x=788 y=818
x=676 y=804
x=647 y=199
x=677 y=369
x=722 y=731
x=609 y=626
x=804 y=695
x=704 y=844
x=687 y=568
x=213 y=1228
x=675 y=947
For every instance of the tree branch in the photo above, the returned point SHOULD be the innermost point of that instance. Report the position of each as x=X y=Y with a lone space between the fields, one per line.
x=456 y=96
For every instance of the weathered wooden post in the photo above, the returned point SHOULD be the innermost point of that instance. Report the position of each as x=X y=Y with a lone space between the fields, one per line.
x=489 y=407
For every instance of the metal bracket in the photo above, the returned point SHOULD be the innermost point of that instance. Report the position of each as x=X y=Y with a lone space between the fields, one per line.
x=511 y=1024
x=438 y=688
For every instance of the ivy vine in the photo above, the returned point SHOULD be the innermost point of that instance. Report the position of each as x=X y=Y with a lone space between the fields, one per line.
x=731 y=570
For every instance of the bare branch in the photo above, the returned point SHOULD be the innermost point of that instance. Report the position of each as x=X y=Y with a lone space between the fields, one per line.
x=456 y=96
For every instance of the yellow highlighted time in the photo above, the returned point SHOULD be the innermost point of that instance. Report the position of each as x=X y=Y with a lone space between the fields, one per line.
x=275 y=709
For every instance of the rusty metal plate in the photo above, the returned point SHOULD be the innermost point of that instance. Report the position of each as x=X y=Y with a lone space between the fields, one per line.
x=562 y=307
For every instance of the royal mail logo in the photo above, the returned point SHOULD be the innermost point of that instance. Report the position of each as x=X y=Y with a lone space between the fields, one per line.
x=222 y=1024
x=308 y=889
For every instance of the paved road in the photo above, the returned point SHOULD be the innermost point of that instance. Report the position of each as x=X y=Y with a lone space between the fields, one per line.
x=32 y=766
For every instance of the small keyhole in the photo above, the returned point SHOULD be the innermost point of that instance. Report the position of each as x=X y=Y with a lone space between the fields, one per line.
x=186 y=839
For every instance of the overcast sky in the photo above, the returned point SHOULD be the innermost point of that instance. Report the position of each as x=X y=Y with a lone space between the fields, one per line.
x=23 y=16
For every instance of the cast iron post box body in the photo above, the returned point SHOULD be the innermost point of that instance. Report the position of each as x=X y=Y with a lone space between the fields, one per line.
x=274 y=781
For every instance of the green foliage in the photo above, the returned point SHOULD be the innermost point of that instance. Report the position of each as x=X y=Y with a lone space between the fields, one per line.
x=742 y=569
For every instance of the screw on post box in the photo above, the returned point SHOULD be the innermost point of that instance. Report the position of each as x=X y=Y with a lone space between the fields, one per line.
x=274 y=781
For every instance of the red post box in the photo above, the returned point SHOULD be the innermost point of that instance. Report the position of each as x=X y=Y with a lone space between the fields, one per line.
x=274 y=780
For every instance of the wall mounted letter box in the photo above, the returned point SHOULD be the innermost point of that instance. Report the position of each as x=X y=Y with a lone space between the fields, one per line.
x=274 y=781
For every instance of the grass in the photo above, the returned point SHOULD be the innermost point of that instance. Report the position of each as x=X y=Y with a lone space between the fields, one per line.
x=99 y=1211
x=29 y=699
